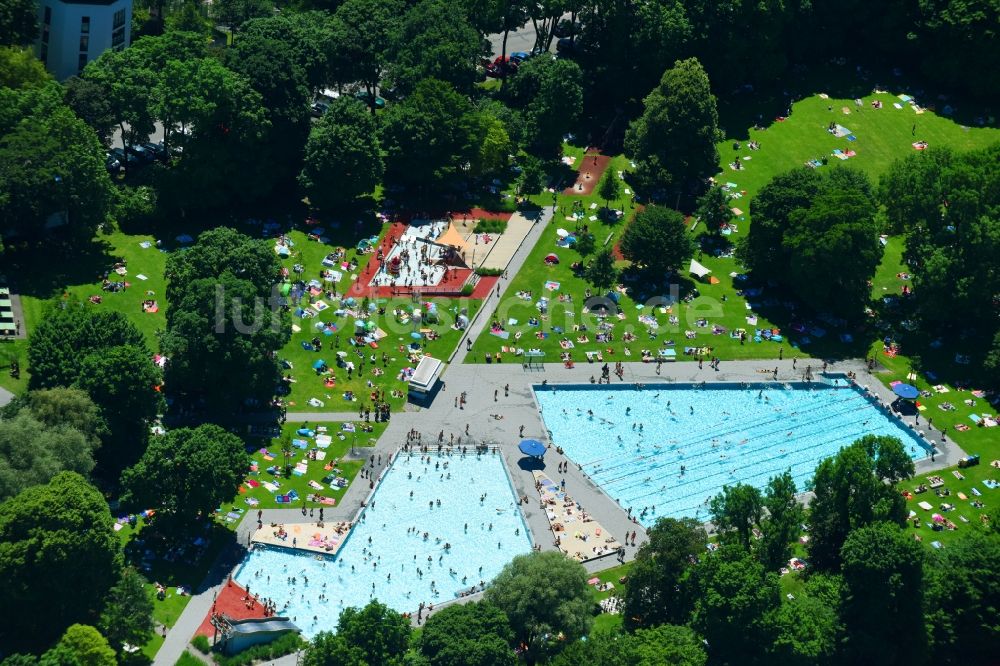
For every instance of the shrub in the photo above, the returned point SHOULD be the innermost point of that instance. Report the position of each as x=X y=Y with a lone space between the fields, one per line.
x=484 y=226
x=468 y=289
x=201 y=644
x=487 y=272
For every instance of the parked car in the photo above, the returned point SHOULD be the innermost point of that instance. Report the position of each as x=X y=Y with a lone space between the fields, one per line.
x=318 y=109
x=567 y=47
x=119 y=154
x=143 y=154
x=564 y=28
x=158 y=150
x=365 y=97
x=520 y=56
x=112 y=164
x=502 y=66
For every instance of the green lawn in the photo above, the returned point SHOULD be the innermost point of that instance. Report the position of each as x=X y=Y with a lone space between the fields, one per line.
x=376 y=375
x=339 y=448
x=974 y=477
x=188 y=659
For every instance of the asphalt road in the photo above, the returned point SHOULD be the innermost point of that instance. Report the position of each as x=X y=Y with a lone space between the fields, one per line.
x=521 y=40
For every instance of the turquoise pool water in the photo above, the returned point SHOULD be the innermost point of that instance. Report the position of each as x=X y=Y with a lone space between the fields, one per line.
x=387 y=555
x=634 y=442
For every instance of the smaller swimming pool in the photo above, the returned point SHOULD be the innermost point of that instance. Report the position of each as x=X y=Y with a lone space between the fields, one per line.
x=437 y=524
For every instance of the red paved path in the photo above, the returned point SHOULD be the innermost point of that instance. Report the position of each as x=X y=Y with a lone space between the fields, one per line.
x=230 y=602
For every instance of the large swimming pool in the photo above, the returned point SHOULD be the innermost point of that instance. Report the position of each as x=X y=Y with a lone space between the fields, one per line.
x=437 y=524
x=665 y=451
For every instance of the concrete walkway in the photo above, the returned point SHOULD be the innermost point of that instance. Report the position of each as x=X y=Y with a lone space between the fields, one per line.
x=509 y=242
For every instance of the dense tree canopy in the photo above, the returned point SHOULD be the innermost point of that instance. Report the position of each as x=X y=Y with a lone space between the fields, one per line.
x=543 y=595
x=673 y=142
x=343 y=159
x=128 y=611
x=849 y=494
x=51 y=167
x=657 y=239
x=365 y=34
x=380 y=633
x=436 y=41
x=49 y=536
x=81 y=645
x=18 y=22
x=734 y=602
x=32 y=452
x=219 y=251
x=475 y=634
x=68 y=335
x=948 y=205
x=19 y=68
x=808 y=224
x=186 y=473
x=655 y=593
x=883 y=595
x=429 y=136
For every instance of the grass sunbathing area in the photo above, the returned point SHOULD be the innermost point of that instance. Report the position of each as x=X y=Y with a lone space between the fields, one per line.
x=959 y=499
x=316 y=460
x=709 y=322
x=330 y=386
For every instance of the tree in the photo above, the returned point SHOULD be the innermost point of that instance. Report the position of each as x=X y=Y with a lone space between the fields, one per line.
x=19 y=68
x=883 y=595
x=763 y=251
x=656 y=594
x=734 y=603
x=309 y=38
x=343 y=160
x=551 y=92
x=326 y=649
x=186 y=473
x=669 y=644
x=783 y=522
x=585 y=244
x=494 y=145
x=658 y=240
x=475 y=634
x=366 y=33
x=122 y=381
x=714 y=209
x=836 y=237
x=961 y=598
x=601 y=271
x=67 y=407
x=222 y=328
x=428 y=136
x=189 y=18
x=128 y=611
x=674 y=141
x=224 y=123
x=32 y=453
x=51 y=167
x=128 y=79
x=543 y=594
x=610 y=187
x=380 y=633
x=848 y=495
x=219 y=251
x=67 y=335
x=81 y=645
x=272 y=70
x=737 y=509
x=436 y=41
x=87 y=100
x=234 y=13
x=48 y=535
x=18 y=22
x=807 y=632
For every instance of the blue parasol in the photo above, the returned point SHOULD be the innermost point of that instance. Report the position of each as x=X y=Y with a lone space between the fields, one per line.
x=532 y=447
x=906 y=391
x=318 y=364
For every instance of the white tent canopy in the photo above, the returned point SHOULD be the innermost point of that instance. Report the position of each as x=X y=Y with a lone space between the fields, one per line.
x=698 y=270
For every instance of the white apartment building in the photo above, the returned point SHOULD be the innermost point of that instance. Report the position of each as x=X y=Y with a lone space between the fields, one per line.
x=74 y=32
